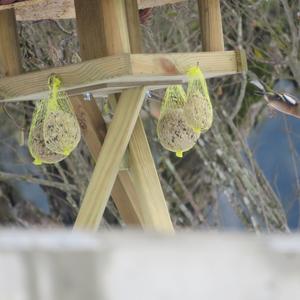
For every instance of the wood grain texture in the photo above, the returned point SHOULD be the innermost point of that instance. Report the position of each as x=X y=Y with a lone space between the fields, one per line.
x=242 y=65
x=92 y=125
x=153 y=3
x=89 y=116
x=123 y=68
x=215 y=64
x=119 y=45
x=76 y=75
x=112 y=152
x=111 y=28
x=45 y=10
x=134 y=28
x=32 y=10
x=10 y=58
x=211 y=25
x=150 y=205
x=27 y=3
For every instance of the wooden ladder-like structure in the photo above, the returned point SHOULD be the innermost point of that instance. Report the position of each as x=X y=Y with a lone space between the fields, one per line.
x=113 y=64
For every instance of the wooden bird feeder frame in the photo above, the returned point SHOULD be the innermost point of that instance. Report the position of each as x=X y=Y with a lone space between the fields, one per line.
x=113 y=65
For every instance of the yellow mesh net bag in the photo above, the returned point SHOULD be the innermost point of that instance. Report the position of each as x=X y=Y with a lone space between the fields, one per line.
x=55 y=131
x=36 y=142
x=198 y=109
x=173 y=131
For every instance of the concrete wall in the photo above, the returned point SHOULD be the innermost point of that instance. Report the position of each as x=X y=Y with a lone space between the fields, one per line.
x=136 y=266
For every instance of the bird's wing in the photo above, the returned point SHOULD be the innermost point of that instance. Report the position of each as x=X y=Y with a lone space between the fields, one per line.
x=290 y=99
x=285 y=108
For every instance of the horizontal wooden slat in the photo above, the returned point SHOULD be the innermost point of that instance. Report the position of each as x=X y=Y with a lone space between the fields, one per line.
x=22 y=4
x=213 y=64
x=34 y=85
x=153 y=3
x=32 y=10
x=121 y=72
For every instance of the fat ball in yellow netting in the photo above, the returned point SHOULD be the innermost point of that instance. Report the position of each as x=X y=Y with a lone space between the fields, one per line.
x=173 y=131
x=198 y=109
x=54 y=131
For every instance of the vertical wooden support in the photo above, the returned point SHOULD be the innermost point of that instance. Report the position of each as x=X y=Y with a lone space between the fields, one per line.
x=134 y=28
x=111 y=33
x=108 y=163
x=10 y=54
x=211 y=25
x=102 y=27
x=90 y=30
x=10 y=58
x=150 y=205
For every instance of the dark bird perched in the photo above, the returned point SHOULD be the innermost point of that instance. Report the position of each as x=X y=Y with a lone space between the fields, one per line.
x=283 y=102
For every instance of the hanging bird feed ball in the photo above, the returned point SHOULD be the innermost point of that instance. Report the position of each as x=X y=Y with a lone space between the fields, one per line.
x=61 y=128
x=198 y=109
x=38 y=149
x=54 y=130
x=173 y=131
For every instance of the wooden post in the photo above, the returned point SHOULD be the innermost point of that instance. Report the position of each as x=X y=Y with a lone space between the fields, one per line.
x=10 y=54
x=150 y=205
x=90 y=31
x=108 y=163
x=112 y=32
x=10 y=58
x=134 y=28
x=211 y=25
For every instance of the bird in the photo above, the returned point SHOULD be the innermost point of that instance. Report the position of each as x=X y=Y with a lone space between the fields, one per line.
x=283 y=102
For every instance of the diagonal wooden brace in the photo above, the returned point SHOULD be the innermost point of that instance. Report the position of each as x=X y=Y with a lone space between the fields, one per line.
x=111 y=154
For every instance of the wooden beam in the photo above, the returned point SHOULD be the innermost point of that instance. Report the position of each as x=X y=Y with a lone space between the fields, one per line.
x=151 y=205
x=112 y=152
x=93 y=45
x=33 y=10
x=10 y=58
x=10 y=54
x=76 y=75
x=211 y=25
x=26 y=3
x=113 y=39
x=137 y=69
x=92 y=124
x=134 y=28
x=111 y=26
x=213 y=64
x=153 y=3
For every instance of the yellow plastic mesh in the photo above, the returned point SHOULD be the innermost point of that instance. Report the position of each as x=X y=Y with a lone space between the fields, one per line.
x=174 y=98
x=198 y=110
x=36 y=142
x=54 y=131
x=173 y=131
